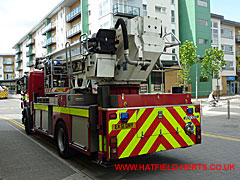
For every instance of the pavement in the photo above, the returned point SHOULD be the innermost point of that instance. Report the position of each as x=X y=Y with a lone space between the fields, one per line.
x=35 y=157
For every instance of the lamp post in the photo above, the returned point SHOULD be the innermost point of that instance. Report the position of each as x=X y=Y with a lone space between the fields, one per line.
x=198 y=57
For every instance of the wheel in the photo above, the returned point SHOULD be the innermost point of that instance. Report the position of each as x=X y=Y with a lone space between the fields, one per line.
x=62 y=140
x=28 y=121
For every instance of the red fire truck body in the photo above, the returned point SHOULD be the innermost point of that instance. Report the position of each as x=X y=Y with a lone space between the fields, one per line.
x=116 y=122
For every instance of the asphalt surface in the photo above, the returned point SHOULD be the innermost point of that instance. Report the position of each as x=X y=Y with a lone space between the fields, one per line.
x=35 y=157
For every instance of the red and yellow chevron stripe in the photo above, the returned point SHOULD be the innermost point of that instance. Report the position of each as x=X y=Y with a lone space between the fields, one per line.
x=152 y=133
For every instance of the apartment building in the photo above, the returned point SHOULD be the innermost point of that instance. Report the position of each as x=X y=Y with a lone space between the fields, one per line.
x=167 y=11
x=7 y=67
x=237 y=35
x=63 y=24
x=104 y=13
x=195 y=26
x=223 y=37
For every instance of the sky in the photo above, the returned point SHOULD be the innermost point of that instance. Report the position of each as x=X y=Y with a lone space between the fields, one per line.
x=18 y=17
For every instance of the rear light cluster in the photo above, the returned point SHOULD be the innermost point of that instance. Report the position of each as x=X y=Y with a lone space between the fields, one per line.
x=198 y=135
x=190 y=110
x=113 y=147
x=124 y=117
x=197 y=110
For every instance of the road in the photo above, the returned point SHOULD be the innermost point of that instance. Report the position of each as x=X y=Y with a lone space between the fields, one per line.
x=35 y=157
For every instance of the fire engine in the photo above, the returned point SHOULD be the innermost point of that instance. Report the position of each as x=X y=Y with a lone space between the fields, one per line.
x=87 y=95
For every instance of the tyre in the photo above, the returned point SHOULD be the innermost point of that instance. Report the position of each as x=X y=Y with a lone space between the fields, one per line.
x=62 y=140
x=28 y=121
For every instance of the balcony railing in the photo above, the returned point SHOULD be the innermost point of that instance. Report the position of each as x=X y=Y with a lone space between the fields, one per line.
x=8 y=70
x=30 y=63
x=30 y=53
x=75 y=13
x=237 y=39
x=51 y=26
x=18 y=59
x=18 y=51
x=19 y=68
x=74 y=31
x=29 y=42
x=125 y=10
x=48 y=42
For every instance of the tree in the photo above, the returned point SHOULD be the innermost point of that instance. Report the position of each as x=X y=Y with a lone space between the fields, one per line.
x=212 y=64
x=188 y=58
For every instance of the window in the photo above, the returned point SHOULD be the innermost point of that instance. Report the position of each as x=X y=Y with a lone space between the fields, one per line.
x=229 y=65
x=172 y=16
x=8 y=69
x=144 y=7
x=227 y=49
x=8 y=61
x=172 y=1
x=174 y=32
x=227 y=33
x=202 y=3
x=165 y=29
x=144 y=10
x=103 y=8
x=203 y=22
x=160 y=9
x=214 y=24
x=214 y=27
x=9 y=76
x=203 y=41
x=173 y=57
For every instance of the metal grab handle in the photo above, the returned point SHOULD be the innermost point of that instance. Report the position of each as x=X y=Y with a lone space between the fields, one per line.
x=69 y=69
x=80 y=39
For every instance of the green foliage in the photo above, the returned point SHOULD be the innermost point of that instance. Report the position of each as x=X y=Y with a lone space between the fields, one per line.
x=213 y=63
x=188 y=58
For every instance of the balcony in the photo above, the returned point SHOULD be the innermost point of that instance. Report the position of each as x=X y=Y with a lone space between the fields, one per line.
x=126 y=11
x=51 y=26
x=18 y=51
x=8 y=70
x=44 y=44
x=18 y=59
x=19 y=68
x=30 y=53
x=30 y=63
x=48 y=42
x=30 y=42
x=74 y=31
x=237 y=39
x=74 y=14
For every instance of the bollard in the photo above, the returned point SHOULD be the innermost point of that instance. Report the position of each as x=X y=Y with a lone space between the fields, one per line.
x=228 y=109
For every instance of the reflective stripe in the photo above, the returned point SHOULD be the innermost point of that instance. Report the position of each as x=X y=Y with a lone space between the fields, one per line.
x=105 y=144
x=135 y=140
x=64 y=110
x=124 y=133
x=72 y=111
x=185 y=137
x=41 y=107
x=100 y=142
